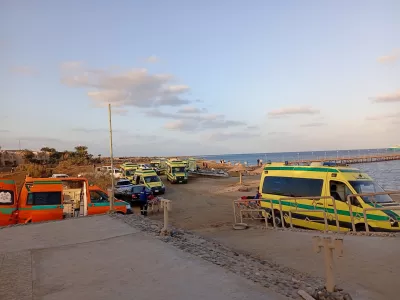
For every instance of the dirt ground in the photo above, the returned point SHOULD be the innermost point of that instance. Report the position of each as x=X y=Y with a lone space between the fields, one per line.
x=204 y=206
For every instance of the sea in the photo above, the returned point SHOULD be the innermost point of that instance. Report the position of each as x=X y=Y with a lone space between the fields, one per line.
x=386 y=173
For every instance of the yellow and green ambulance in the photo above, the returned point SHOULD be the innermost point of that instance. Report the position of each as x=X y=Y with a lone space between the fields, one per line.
x=284 y=182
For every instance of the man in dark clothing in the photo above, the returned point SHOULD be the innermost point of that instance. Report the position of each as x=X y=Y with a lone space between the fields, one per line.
x=143 y=202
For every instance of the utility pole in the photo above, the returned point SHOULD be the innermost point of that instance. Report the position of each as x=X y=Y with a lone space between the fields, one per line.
x=19 y=144
x=112 y=161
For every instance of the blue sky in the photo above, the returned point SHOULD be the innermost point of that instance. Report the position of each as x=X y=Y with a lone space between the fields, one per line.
x=200 y=77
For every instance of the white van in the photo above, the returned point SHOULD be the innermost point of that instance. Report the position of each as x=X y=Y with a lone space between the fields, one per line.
x=59 y=176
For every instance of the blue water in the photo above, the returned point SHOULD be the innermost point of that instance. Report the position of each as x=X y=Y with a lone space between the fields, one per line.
x=386 y=173
x=251 y=158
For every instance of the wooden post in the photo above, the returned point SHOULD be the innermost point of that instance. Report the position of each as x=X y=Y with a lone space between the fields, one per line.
x=240 y=177
x=329 y=246
x=166 y=205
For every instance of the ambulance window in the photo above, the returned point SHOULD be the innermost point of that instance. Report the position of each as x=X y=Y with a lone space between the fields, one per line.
x=6 y=197
x=292 y=187
x=339 y=190
x=44 y=198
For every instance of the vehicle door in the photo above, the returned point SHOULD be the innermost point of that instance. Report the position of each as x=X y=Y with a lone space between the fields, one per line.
x=8 y=202
x=339 y=190
x=43 y=202
x=98 y=203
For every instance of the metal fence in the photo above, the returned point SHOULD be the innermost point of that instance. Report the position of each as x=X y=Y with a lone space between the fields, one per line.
x=374 y=208
x=251 y=209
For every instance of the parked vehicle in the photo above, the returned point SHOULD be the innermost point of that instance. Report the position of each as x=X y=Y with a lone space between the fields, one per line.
x=59 y=176
x=121 y=185
x=177 y=171
x=150 y=179
x=45 y=199
x=128 y=170
x=280 y=181
x=8 y=202
x=132 y=194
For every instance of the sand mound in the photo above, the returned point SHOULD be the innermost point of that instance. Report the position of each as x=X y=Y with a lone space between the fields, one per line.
x=257 y=171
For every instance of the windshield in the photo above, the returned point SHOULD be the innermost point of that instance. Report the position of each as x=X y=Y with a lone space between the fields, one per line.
x=178 y=169
x=125 y=182
x=103 y=196
x=368 y=187
x=154 y=165
x=130 y=172
x=152 y=179
x=6 y=197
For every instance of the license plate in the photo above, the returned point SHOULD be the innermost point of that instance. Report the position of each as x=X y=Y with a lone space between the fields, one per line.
x=156 y=191
x=180 y=181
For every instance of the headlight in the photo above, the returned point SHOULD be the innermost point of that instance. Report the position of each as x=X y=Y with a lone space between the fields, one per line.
x=128 y=206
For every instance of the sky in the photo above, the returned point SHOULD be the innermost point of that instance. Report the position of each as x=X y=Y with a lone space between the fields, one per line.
x=199 y=77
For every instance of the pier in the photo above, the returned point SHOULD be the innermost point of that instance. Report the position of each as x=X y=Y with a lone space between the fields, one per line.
x=351 y=159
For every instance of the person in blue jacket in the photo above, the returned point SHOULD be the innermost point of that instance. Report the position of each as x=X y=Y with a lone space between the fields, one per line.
x=143 y=201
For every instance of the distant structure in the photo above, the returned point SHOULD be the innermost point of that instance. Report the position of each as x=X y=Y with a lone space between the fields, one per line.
x=13 y=158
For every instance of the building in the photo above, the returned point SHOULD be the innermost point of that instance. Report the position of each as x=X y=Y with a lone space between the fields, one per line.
x=11 y=158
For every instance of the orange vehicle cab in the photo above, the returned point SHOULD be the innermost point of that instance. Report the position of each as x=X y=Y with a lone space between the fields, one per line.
x=45 y=199
x=8 y=202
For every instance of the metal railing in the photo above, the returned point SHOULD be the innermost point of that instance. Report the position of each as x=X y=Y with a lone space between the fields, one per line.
x=315 y=203
x=374 y=208
x=251 y=206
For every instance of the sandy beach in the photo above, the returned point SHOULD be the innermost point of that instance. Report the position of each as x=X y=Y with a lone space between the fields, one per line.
x=204 y=206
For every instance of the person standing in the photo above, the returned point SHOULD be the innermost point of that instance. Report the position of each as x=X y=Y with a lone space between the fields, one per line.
x=143 y=201
x=258 y=162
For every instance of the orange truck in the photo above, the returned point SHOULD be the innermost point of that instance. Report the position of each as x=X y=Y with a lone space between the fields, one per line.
x=45 y=199
x=8 y=202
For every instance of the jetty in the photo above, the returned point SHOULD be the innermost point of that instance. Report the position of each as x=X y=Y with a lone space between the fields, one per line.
x=351 y=159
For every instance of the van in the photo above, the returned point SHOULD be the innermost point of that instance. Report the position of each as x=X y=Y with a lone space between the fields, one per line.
x=59 y=176
x=192 y=164
x=279 y=181
x=8 y=202
x=128 y=170
x=150 y=179
x=45 y=199
x=176 y=171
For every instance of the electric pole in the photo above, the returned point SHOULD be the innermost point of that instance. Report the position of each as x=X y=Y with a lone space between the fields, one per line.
x=112 y=161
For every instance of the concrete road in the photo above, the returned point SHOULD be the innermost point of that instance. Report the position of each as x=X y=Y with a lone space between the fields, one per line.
x=103 y=258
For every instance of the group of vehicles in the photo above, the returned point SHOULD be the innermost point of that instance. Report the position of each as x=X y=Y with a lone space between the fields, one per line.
x=45 y=199
x=289 y=188
x=307 y=193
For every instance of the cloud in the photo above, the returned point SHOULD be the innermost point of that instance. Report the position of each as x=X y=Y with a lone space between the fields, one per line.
x=383 y=117
x=181 y=125
x=24 y=70
x=135 y=87
x=71 y=65
x=40 y=139
x=391 y=58
x=192 y=110
x=153 y=59
x=252 y=127
x=198 y=125
x=387 y=98
x=4 y=131
x=315 y=124
x=185 y=116
x=301 y=110
x=231 y=135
